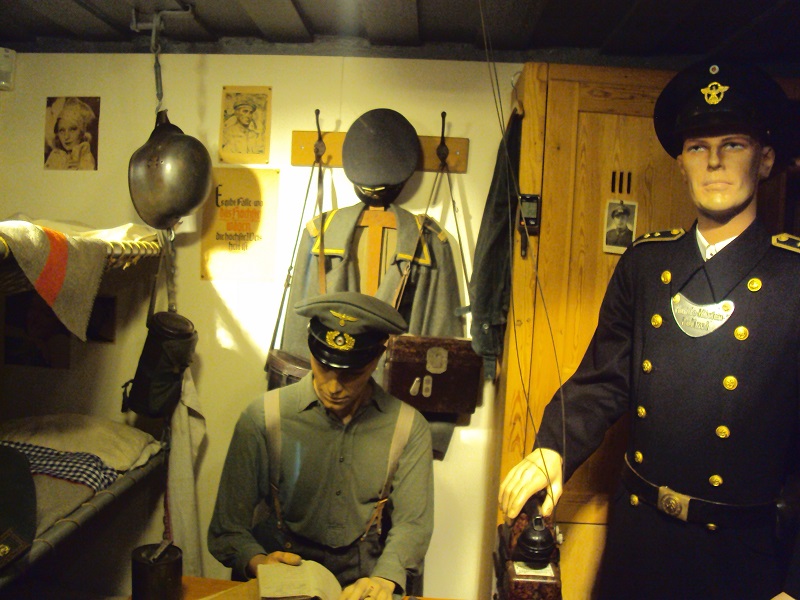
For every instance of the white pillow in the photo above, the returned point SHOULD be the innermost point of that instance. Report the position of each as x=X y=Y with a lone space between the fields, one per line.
x=118 y=445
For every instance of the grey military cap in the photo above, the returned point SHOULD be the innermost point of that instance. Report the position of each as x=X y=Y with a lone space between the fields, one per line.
x=348 y=329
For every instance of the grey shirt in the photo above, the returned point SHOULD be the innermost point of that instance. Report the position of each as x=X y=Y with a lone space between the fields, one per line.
x=331 y=477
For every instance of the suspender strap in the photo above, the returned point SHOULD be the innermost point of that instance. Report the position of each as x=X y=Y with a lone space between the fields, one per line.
x=321 y=257
x=402 y=430
x=272 y=420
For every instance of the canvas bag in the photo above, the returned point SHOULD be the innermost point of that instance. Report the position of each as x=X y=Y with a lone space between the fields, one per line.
x=156 y=388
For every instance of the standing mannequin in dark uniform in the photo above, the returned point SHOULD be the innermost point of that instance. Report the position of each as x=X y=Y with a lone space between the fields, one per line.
x=698 y=339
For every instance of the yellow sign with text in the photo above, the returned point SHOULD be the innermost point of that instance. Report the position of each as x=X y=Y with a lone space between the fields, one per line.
x=236 y=219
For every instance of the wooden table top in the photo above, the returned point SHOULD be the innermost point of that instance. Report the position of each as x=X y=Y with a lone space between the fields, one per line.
x=204 y=588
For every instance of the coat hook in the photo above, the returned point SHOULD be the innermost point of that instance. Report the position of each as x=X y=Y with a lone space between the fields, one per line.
x=319 y=145
x=442 y=151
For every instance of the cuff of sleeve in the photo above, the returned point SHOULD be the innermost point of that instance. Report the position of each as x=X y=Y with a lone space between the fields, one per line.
x=240 y=565
x=394 y=573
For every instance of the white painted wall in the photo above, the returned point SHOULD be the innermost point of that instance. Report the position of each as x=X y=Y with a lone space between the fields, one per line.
x=235 y=318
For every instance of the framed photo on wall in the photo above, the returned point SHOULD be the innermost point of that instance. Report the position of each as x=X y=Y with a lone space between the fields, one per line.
x=245 y=124
x=620 y=225
x=71 y=127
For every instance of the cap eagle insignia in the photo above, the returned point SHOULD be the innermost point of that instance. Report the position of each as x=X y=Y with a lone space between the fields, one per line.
x=343 y=318
x=714 y=92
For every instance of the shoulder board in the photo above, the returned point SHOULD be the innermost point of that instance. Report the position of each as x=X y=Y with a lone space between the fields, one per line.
x=670 y=235
x=787 y=242
x=313 y=226
x=431 y=225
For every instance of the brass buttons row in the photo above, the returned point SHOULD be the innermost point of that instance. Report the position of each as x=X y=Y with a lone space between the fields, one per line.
x=754 y=284
x=741 y=333
x=722 y=432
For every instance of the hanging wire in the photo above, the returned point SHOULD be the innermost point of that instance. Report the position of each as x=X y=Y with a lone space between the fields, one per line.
x=526 y=383
x=319 y=151
x=155 y=48
x=442 y=152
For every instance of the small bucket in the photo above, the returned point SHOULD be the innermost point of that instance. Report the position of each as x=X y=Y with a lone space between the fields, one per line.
x=159 y=579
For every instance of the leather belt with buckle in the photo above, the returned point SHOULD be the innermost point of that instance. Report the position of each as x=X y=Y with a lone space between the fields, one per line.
x=696 y=510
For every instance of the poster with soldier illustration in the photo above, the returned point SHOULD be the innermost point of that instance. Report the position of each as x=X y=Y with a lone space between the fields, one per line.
x=245 y=124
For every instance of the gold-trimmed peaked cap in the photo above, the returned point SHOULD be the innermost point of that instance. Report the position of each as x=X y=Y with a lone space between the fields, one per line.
x=349 y=329
x=380 y=153
x=720 y=97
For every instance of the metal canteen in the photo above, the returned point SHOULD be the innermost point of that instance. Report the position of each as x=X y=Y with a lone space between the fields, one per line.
x=169 y=176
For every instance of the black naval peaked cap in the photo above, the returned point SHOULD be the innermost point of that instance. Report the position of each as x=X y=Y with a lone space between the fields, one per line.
x=348 y=329
x=381 y=148
x=725 y=97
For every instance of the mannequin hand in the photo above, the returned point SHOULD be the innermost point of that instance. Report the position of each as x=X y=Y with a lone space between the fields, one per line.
x=372 y=588
x=275 y=557
x=540 y=468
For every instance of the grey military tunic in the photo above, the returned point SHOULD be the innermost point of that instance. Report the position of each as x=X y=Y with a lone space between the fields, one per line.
x=431 y=296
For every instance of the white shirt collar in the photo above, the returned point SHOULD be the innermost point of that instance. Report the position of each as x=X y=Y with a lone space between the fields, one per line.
x=708 y=250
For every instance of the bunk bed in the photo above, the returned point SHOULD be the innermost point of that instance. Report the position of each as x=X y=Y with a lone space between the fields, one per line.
x=66 y=265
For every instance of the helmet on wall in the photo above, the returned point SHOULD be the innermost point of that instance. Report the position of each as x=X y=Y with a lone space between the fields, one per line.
x=169 y=176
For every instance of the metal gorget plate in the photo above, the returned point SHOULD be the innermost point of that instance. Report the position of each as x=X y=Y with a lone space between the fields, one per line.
x=697 y=320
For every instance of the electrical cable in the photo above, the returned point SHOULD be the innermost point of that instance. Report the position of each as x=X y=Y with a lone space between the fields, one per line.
x=526 y=385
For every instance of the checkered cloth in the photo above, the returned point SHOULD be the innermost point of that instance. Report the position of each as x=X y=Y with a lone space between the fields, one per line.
x=78 y=467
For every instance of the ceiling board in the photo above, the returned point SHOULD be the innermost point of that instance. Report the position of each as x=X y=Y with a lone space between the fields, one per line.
x=277 y=20
x=635 y=33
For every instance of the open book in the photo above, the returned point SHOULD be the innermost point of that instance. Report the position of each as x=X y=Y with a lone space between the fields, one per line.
x=278 y=581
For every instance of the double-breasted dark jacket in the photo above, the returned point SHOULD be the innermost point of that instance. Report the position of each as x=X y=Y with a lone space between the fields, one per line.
x=704 y=356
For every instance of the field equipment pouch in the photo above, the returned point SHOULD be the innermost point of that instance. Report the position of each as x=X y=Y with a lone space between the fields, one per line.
x=156 y=387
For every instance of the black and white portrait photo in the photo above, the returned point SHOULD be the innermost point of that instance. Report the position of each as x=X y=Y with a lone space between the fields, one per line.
x=71 y=133
x=620 y=226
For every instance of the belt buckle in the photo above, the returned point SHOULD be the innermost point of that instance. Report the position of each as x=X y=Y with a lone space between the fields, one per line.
x=673 y=503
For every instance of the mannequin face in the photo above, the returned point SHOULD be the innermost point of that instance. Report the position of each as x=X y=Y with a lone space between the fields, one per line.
x=342 y=391
x=722 y=174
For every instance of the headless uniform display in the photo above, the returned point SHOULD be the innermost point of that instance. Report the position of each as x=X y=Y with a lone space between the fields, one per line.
x=431 y=295
x=380 y=153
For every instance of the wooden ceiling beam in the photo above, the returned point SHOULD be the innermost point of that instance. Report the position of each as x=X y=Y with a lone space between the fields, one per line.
x=391 y=22
x=277 y=20
x=78 y=18
x=509 y=24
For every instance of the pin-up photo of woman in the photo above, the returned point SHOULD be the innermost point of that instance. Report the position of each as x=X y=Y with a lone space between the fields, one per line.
x=71 y=126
